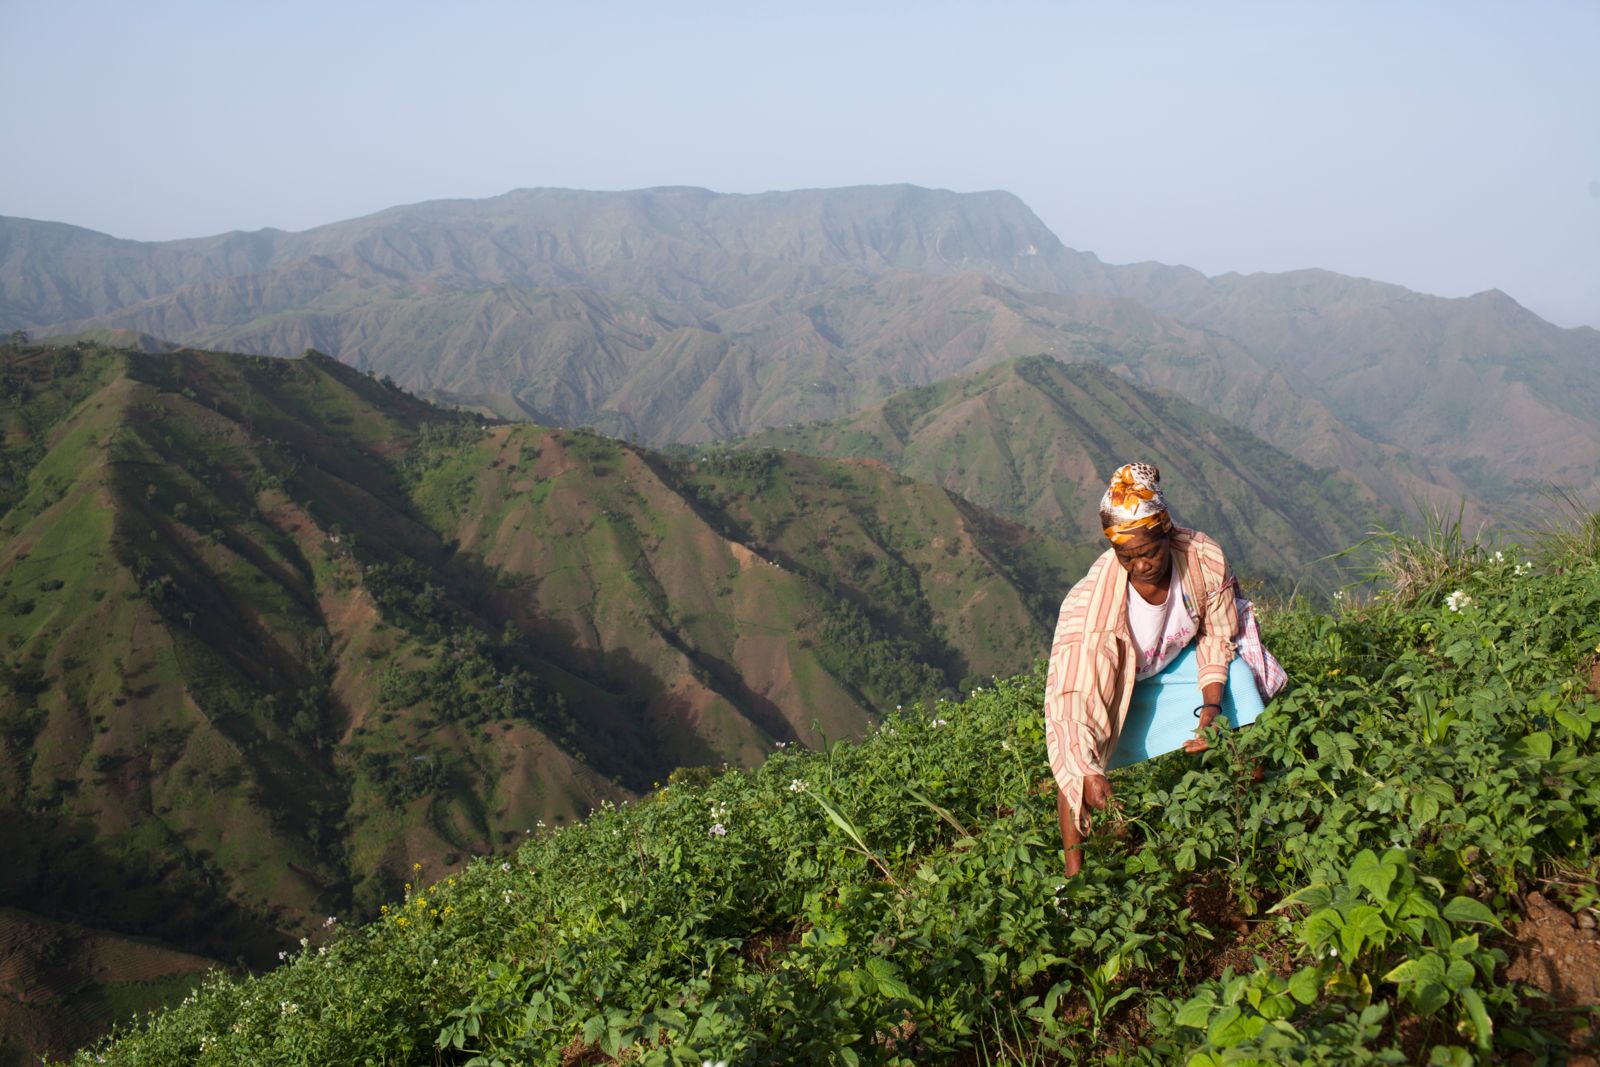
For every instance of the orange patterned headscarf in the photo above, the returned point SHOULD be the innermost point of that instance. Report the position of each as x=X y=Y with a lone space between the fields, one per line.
x=1133 y=502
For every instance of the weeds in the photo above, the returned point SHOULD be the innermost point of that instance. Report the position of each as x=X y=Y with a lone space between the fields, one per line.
x=1419 y=569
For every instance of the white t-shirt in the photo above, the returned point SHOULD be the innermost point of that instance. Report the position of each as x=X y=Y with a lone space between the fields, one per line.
x=1160 y=631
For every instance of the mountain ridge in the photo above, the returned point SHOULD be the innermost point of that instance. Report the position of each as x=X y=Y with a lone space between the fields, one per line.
x=443 y=295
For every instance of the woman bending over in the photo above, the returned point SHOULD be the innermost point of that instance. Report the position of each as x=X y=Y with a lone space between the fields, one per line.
x=1146 y=652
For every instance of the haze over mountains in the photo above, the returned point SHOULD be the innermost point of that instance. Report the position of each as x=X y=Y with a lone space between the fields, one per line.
x=681 y=315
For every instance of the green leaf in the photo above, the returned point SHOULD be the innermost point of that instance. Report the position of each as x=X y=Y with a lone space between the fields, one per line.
x=1467 y=910
x=1315 y=895
x=1303 y=985
x=888 y=978
x=1430 y=997
x=1196 y=1012
x=1424 y=809
x=1233 y=1027
x=1480 y=1018
x=1539 y=745
x=1458 y=975
x=1574 y=724
x=1375 y=877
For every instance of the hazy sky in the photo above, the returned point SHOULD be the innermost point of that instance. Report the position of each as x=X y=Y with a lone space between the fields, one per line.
x=1451 y=147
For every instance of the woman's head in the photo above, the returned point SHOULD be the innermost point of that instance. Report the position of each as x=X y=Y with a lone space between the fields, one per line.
x=1133 y=504
x=1133 y=514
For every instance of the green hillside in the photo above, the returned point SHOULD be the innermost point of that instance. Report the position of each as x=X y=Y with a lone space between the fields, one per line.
x=1035 y=439
x=1399 y=887
x=274 y=631
x=1439 y=378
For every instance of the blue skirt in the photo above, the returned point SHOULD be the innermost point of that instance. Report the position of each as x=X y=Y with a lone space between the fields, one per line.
x=1161 y=712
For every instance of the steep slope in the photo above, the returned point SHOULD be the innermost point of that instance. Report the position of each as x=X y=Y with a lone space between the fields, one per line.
x=274 y=632
x=1393 y=865
x=1034 y=439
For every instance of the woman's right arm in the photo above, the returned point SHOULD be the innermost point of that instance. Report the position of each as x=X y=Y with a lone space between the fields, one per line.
x=1078 y=686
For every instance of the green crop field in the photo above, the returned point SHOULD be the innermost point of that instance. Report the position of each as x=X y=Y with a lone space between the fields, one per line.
x=1431 y=776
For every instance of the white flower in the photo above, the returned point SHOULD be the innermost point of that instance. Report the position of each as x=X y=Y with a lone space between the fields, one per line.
x=505 y=866
x=1457 y=600
x=781 y=744
x=332 y=920
x=713 y=1063
x=1005 y=746
x=304 y=942
x=287 y=1008
x=283 y=955
x=718 y=830
x=796 y=785
x=506 y=896
x=1499 y=557
x=1338 y=595
x=941 y=722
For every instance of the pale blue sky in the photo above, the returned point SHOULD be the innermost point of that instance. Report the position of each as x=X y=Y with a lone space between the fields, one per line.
x=1451 y=147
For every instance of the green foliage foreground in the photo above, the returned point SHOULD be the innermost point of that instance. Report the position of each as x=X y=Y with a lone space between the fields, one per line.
x=900 y=900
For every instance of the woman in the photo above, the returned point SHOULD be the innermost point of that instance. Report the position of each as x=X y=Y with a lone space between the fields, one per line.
x=1154 y=624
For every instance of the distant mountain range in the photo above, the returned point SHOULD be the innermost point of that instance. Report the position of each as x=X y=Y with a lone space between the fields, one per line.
x=681 y=315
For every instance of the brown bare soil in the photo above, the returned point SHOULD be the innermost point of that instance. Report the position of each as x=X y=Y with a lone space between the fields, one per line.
x=1559 y=955
x=762 y=949
x=580 y=1054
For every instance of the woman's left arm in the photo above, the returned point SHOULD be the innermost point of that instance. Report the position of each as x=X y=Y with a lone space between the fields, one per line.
x=1217 y=629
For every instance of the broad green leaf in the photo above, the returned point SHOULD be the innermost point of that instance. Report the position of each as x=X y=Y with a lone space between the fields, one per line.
x=1574 y=724
x=1375 y=877
x=1430 y=997
x=1467 y=910
x=1196 y=1012
x=1458 y=975
x=1315 y=895
x=888 y=979
x=1539 y=744
x=1303 y=985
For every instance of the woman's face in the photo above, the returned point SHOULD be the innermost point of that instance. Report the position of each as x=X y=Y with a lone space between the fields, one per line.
x=1147 y=557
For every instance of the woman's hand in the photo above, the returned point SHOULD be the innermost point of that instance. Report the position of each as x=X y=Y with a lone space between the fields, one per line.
x=1200 y=744
x=1096 y=791
x=1212 y=695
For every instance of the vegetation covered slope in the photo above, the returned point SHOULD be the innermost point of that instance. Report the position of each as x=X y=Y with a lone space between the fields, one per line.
x=1034 y=440
x=1446 y=379
x=1429 y=778
x=273 y=630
